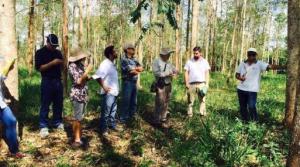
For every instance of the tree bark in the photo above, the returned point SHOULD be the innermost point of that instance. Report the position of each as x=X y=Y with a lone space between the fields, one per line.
x=187 y=40
x=65 y=43
x=80 y=28
x=178 y=36
x=31 y=37
x=292 y=65
x=195 y=23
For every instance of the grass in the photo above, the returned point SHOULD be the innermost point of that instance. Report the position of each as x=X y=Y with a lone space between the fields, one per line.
x=220 y=139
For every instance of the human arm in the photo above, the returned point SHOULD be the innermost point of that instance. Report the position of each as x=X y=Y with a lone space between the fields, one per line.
x=186 y=79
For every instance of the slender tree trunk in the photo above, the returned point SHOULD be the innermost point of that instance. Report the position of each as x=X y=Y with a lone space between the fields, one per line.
x=31 y=37
x=243 y=30
x=187 y=41
x=195 y=22
x=65 y=43
x=88 y=23
x=80 y=28
x=178 y=36
x=293 y=59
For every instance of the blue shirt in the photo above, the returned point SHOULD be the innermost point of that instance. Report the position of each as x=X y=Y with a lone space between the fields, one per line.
x=45 y=56
x=127 y=65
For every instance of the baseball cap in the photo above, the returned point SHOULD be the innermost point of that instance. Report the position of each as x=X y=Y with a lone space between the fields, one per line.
x=52 y=39
x=252 y=50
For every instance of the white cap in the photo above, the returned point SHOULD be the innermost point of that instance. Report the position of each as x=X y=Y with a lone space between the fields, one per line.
x=252 y=50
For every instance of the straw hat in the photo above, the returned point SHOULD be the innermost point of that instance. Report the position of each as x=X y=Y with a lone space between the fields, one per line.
x=128 y=46
x=77 y=54
x=166 y=51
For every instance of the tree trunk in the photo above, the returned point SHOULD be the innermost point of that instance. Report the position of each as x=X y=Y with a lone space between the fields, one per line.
x=187 y=40
x=178 y=36
x=243 y=30
x=292 y=65
x=195 y=22
x=31 y=37
x=8 y=49
x=80 y=28
x=65 y=44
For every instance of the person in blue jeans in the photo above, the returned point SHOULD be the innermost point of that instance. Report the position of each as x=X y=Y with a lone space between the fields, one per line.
x=249 y=74
x=7 y=118
x=130 y=68
x=49 y=61
x=107 y=77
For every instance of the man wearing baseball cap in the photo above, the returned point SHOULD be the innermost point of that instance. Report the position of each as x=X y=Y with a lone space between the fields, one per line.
x=249 y=75
x=131 y=68
x=49 y=61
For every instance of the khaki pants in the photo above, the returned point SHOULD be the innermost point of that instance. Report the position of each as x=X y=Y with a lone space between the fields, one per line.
x=192 y=94
x=162 y=99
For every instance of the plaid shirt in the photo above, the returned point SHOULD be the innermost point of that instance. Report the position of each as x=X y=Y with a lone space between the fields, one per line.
x=78 y=92
x=127 y=65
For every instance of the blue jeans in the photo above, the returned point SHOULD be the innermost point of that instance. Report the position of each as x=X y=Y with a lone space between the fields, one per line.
x=10 y=133
x=51 y=93
x=129 y=100
x=247 y=102
x=108 y=112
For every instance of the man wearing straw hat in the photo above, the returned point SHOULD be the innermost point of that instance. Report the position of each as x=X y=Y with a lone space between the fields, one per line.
x=163 y=71
x=49 y=61
x=79 y=70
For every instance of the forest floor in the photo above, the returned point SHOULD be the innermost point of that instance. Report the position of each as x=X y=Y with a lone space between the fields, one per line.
x=220 y=139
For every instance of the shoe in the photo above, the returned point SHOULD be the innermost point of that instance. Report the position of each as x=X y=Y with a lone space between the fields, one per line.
x=118 y=128
x=190 y=115
x=165 y=125
x=61 y=127
x=77 y=144
x=105 y=134
x=18 y=155
x=44 y=132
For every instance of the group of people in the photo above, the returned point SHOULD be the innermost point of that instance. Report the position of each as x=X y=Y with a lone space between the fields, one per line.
x=49 y=62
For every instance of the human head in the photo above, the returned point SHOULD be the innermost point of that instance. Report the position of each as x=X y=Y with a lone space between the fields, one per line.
x=165 y=54
x=197 y=52
x=52 y=41
x=129 y=49
x=110 y=53
x=251 y=54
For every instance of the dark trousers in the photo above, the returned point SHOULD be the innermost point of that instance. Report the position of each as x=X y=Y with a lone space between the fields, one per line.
x=129 y=100
x=247 y=102
x=10 y=133
x=51 y=93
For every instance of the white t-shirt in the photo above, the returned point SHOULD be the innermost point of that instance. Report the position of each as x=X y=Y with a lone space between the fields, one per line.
x=252 y=74
x=2 y=103
x=197 y=69
x=108 y=72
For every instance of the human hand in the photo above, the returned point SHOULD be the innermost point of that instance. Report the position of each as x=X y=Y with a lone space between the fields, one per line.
x=89 y=68
x=57 y=61
x=106 y=89
x=139 y=69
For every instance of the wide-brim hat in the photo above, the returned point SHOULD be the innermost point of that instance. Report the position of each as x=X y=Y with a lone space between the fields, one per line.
x=78 y=54
x=128 y=46
x=166 y=51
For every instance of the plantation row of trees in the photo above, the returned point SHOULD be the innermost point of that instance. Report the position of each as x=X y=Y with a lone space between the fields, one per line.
x=224 y=29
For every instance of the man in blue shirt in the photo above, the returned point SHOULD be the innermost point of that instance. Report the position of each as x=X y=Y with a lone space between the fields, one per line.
x=49 y=61
x=131 y=68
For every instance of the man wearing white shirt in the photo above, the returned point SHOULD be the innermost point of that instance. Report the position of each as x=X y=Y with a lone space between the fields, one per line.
x=197 y=80
x=107 y=76
x=249 y=74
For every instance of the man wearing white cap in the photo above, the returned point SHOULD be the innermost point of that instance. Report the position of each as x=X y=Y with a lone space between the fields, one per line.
x=249 y=74
x=163 y=71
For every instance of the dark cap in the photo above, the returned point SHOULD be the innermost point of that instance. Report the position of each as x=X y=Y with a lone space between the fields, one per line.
x=52 y=39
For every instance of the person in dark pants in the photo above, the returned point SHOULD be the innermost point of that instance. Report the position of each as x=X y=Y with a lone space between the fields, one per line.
x=130 y=69
x=249 y=74
x=49 y=61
